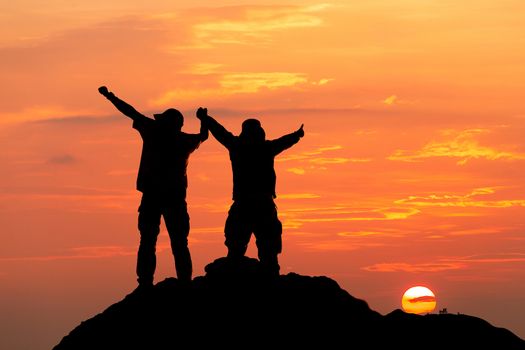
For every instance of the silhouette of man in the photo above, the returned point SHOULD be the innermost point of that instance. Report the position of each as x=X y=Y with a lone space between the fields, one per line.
x=163 y=182
x=253 y=210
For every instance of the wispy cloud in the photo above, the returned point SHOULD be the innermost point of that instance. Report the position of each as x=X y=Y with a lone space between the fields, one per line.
x=319 y=158
x=477 y=231
x=220 y=206
x=323 y=81
x=458 y=144
x=207 y=230
x=338 y=245
x=414 y=268
x=250 y=82
x=423 y=299
x=248 y=25
x=239 y=25
x=233 y=83
x=64 y=191
x=390 y=100
x=63 y=159
x=70 y=198
x=299 y=196
x=493 y=258
x=77 y=253
x=31 y=92
x=205 y=68
x=449 y=263
x=296 y=171
x=298 y=217
x=395 y=100
x=333 y=160
x=77 y=120
x=179 y=94
x=48 y=114
x=361 y=234
x=310 y=154
x=466 y=200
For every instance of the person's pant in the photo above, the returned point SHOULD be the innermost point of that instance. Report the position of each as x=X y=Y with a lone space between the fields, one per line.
x=177 y=221
x=260 y=218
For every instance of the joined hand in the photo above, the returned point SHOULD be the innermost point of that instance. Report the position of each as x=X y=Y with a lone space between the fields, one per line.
x=202 y=112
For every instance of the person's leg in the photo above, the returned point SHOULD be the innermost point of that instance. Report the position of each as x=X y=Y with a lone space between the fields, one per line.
x=237 y=231
x=177 y=223
x=268 y=232
x=149 y=227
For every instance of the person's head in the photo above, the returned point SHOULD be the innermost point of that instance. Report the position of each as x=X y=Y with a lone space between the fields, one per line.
x=170 y=118
x=252 y=131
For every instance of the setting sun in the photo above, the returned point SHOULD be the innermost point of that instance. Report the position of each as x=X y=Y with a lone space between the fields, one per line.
x=418 y=300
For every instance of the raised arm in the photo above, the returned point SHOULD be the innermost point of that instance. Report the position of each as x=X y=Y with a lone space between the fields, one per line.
x=287 y=141
x=203 y=134
x=122 y=106
x=222 y=135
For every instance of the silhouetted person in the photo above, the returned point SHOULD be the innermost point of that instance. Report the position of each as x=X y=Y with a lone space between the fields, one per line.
x=253 y=209
x=162 y=180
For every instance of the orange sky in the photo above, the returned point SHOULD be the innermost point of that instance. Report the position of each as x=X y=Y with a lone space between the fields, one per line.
x=410 y=173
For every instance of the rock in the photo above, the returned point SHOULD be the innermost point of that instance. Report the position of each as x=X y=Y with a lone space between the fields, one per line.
x=235 y=305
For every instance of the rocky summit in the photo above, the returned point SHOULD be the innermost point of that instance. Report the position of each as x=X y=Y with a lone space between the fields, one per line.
x=236 y=305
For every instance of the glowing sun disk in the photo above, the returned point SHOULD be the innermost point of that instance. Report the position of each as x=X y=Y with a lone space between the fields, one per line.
x=418 y=300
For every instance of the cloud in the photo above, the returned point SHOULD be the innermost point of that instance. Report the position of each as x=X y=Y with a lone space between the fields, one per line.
x=49 y=114
x=299 y=196
x=220 y=206
x=315 y=152
x=396 y=213
x=295 y=218
x=390 y=100
x=180 y=94
x=71 y=198
x=250 y=25
x=64 y=191
x=360 y=234
x=71 y=62
x=476 y=231
x=296 y=171
x=332 y=160
x=423 y=299
x=76 y=60
x=205 y=68
x=459 y=144
x=233 y=83
x=414 y=268
x=80 y=253
x=63 y=159
x=492 y=259
x=80 y=120
x=467 y=200
x=395 y=100
x=317 y=158
x=208 y=230
x=338 y=245
x=449 y=263
x=248 y=82
x=237 y=25
x=323 y=81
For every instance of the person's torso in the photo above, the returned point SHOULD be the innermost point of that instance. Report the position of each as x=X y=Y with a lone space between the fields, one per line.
x=164 y=161
x=253 y=170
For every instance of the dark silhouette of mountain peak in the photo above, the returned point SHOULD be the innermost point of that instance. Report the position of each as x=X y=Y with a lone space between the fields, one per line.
x=236 y=305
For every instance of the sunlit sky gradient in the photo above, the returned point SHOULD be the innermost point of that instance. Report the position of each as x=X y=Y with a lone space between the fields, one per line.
x=411 y=171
